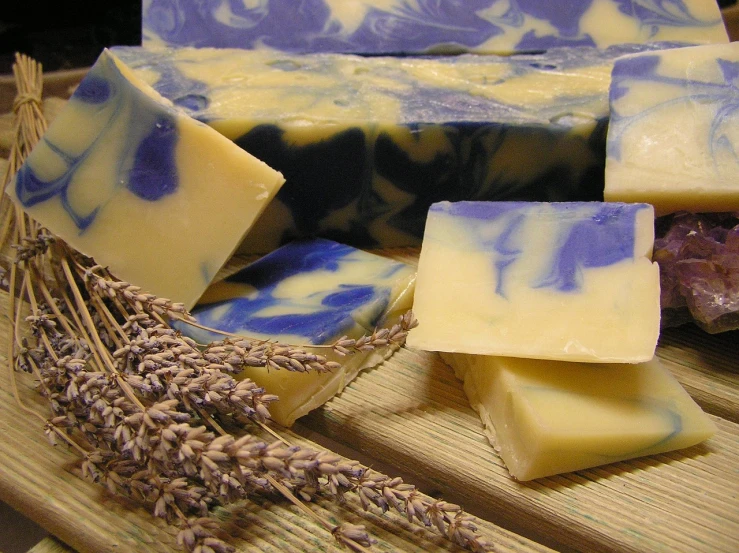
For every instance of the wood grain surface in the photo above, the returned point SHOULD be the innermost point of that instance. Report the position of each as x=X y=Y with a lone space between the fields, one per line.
x=412 y=413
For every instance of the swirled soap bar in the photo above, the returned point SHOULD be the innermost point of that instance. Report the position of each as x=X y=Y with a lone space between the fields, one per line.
x=307 y=292
x=368 y=144
x=673 y=139
x=427 y=26
x=570 y=281
x=551 y=417
x=126 y=178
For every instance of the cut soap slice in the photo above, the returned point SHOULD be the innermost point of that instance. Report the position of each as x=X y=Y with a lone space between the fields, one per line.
x=673 y=139
x=551 y=417
x=307 y=292
x=570 y=281
x=126 y=178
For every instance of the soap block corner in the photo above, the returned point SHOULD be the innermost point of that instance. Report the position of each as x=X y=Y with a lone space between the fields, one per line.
x=672 y=139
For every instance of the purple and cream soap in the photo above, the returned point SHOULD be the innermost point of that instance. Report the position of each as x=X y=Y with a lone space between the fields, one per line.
x=568 y=281
x=673 y=138
x=427 y=26
x=127 y=178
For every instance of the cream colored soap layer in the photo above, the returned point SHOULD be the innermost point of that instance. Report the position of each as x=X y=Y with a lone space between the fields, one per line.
x=673 y=139
x=239 y=90
x=549 y=281
x=159 y=198
x=301 y=393
x=552 y=417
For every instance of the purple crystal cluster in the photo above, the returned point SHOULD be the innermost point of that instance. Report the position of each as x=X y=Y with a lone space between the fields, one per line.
x=698 y=256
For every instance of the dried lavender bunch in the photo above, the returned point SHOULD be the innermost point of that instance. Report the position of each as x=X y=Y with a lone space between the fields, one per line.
x=234 y=354
x=146 y=408
x=157 y=455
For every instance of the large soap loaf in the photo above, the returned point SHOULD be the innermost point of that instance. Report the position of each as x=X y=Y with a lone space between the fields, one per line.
x=569 y=281
x=125 y=177
x=673 y=139
x=307 y=293
x=550 y=417
x=427 y=26
x=368 y=144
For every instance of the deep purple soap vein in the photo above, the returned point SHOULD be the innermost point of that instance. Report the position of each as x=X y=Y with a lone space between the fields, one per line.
x=147 y=165
x=319 y=317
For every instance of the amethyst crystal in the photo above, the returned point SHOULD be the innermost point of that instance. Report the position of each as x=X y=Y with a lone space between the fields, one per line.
x=698 y=256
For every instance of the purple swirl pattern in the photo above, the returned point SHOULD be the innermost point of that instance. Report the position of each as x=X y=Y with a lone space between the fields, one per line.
x=422 y=26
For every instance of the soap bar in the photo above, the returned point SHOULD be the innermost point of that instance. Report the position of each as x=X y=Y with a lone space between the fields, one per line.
x=552 y=417
x=122 y=176
x=673 y=139
x=427 y=26
x=368 y=144
x=570 y=281
x=307 y=292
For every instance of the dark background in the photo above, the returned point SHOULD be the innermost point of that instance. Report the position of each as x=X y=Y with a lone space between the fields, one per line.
x=66 y=34
x=69 y=34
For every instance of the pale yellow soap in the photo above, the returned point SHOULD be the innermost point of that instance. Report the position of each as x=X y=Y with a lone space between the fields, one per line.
x=673 y=137
x=552 y=417
x=125 y=177
x=569 y=281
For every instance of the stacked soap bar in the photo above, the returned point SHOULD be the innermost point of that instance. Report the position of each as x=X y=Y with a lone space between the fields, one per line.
x=122 y=176
x=306 y=292
x=427 y=26
x=570 y=281
x=550 y=417
x=550 y=315
x=368 y=144
x=673 y=139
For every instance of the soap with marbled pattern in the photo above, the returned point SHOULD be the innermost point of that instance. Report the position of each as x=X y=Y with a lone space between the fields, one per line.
x=571 y=281
x=308 y=292
x=673 y=140
x=158 y=197
x=550 y=417
x=427 y=26
x=368 y=144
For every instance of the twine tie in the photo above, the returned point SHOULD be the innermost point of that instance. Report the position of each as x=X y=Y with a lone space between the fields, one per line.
x=26 y=98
